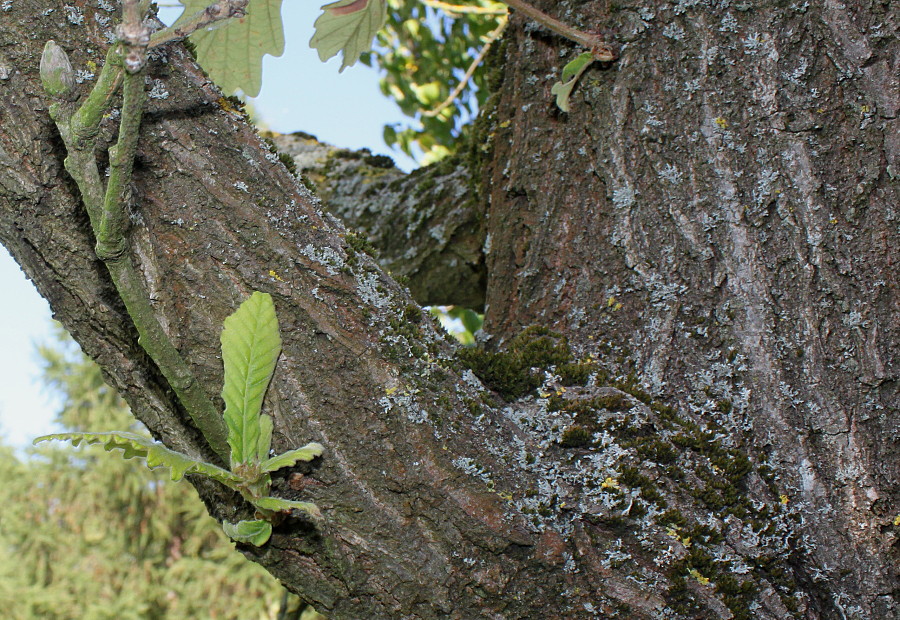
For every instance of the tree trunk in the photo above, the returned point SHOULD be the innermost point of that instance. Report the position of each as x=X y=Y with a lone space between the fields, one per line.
x=701 y=252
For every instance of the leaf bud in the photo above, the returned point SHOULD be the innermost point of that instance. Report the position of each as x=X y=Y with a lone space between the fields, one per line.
x=57 y=75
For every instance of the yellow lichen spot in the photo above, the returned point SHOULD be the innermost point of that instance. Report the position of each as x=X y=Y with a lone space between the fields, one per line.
x=390 y=391
x=610 y=302
x=684 y=540
x=507 y=496
x=864 y=109
x=273 y=274
x=821 y=110
x=92 y=66
x=700 y=578
x=560 y=391
x=783 y=499
x=504 y=124
x=833 y=220
x=721 y=122
x=897 y=520
x=544 y=394
x=609 y=483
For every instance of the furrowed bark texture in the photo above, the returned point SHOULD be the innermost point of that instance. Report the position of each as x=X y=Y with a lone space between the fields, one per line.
x=726 y=194
x=707 y=235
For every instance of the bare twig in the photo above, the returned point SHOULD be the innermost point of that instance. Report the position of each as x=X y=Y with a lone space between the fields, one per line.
x=215 y=12
x=600 y=49
x=134 y=34
x=491 y=37
x=460 y=9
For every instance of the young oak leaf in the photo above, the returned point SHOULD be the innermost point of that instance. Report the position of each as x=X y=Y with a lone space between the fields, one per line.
x=570 y=74
x=276 y=504
x=231 y=52
x=250 y=348
x=348 y=26
x=253 y=532
x=155 y=454
x=292 y=457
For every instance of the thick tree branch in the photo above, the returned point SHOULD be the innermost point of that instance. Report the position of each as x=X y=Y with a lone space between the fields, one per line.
x=426 y=227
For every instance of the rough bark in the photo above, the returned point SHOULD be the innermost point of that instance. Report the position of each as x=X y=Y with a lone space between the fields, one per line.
x=425 y=227
x=714 y=435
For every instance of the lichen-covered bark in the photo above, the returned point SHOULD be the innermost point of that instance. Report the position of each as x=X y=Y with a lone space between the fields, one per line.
x=425 y=226
x=700 y=425
x=726 y=196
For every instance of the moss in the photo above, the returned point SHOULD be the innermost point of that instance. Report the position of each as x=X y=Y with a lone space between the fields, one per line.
x=612 y=402
x=359 y=243
x=737 y=595
x=577 y=373
x=379 y=161
x=349 y=154
x=672 y=518
x=631 y=386
x=724 y=406
x=576 y=437
x=425 y=186
x=510 y=372
x=633 y=478
x=304 y=136
x=288 y=162
x=657 y=451
x=412 y=313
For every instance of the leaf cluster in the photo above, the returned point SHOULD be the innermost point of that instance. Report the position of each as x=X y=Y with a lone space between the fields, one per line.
x=424 y=53
x=70 y=517
x=250 y=349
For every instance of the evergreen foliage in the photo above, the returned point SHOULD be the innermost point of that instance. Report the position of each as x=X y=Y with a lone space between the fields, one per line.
x=92 y=537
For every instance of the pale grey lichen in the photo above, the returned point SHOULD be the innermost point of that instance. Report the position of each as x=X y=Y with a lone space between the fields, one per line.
x=74 y=15
x=371 y=291
x=623 y=197
x=158 y=90
x=83 y=75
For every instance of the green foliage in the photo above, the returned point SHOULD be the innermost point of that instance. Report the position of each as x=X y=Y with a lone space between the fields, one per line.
x=250 y=348
x=90 y=537
x=570 y=74
x=424 y=52
x=155 y=454
x=348 y=26
x=255 y=532
x=454 y=317
x=231 y=52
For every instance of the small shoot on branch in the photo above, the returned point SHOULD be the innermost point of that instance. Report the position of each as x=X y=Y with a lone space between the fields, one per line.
x=250 y=349
x=570 y=75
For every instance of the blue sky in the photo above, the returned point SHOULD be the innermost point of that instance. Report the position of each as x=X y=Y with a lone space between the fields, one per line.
x=298 y=93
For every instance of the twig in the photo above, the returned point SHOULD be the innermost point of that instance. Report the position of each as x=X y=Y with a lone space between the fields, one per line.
x=218 y=11
x=106 y=209
x=461 y=9
x=599 y=48
x=492 y=36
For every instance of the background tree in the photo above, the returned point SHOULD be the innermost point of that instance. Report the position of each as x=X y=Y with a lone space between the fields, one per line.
x=87 y=536
x=700 y=422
